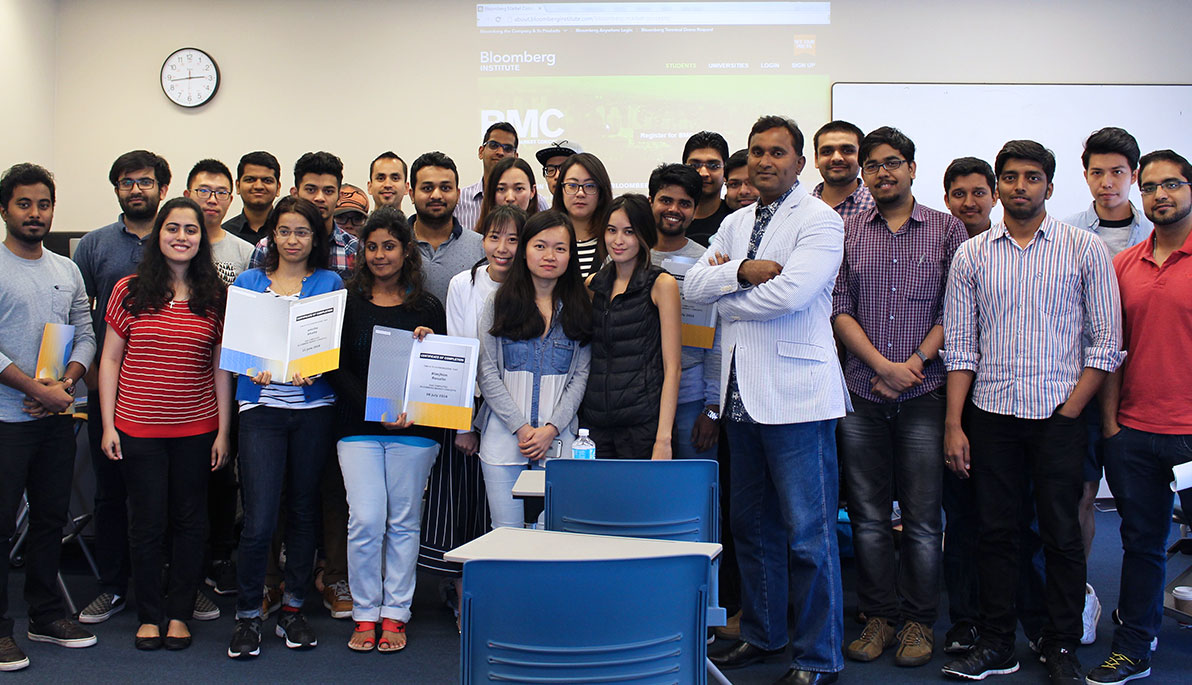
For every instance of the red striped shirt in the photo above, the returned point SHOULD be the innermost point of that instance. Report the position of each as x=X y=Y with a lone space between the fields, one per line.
x=167 y=379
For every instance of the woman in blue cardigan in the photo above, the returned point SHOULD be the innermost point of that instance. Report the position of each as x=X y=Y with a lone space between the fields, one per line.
x=286 y=434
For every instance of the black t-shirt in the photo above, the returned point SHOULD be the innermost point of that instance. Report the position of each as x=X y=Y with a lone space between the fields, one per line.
x=702 y=230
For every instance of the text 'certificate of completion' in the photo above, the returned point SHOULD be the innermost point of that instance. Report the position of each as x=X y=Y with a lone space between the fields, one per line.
x=699 y=320
x=263 y=332
x=439 y=376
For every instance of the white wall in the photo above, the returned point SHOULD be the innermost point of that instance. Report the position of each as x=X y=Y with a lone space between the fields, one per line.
x=360 y=77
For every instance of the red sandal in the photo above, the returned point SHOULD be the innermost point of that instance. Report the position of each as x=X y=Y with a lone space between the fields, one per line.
x=389 y=625
x=368 y=628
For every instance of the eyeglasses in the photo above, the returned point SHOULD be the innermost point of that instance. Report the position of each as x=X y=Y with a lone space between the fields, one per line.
x=495 y=145
x=1169 y=186
x=888 y=165
x=710 y=166
x=205 y=193
x=300 y=233
x=574 y=188
x=351 y=218
x=550 y=170
x=143 y=183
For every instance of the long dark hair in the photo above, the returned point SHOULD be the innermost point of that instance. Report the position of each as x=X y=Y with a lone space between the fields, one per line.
x=494 y=222
x=320 y=247
x=410 y=278
x=595 y=168
x=516 y=316
x=641 y=218
x=152 y=286
x=488 y=202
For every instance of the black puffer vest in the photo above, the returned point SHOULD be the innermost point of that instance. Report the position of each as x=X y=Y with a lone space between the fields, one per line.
x=625 y=385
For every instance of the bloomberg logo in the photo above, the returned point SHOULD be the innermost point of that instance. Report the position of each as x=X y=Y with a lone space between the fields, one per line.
x=529 y=124
x=512 y=61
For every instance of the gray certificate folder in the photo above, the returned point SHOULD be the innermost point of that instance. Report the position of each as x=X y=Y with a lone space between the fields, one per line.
x=388 y=365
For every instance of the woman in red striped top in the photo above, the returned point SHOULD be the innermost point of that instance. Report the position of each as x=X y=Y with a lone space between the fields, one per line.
x=166 y=412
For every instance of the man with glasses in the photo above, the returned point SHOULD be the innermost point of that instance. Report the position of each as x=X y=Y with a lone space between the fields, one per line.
x=351 y=210
x=258 y=182
x=500 y=141
x=105 y=255
x=551 y=158
x=387 y=180
x=706 y=152
x=887 y=308
x=210 y=184
x=1146 y=407
x=836 y=145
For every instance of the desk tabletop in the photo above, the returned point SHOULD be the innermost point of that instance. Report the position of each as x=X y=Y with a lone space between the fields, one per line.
x=548 y=545
x=530 y=484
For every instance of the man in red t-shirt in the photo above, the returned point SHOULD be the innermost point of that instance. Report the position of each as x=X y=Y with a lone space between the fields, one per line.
x=1147 y=406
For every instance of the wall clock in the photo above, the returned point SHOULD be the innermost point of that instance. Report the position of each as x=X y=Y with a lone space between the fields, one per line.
x=189 y=77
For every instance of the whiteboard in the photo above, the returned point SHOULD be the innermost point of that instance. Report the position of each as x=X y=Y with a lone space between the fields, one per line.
x=950 y=120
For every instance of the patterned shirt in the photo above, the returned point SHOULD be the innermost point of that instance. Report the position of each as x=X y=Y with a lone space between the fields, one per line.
x=344 y=246
x=736 y=407
x=467 y=210
x=893 y=285
x=855 y=204
x=1014 y=315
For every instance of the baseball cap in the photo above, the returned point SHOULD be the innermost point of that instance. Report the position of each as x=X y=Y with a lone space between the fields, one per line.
x=559 y=147
x=351 y=199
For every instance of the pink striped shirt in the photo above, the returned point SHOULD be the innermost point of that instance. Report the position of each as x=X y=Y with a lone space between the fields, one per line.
x=1014 y=315
x=167 y=379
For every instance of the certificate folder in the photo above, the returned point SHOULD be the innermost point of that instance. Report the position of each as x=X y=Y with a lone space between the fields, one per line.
x=431 y=380
x=57 y=342
x=263 y=332
x=699 y=320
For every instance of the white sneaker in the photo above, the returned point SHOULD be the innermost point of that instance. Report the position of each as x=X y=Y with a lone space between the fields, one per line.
x=1090 y=616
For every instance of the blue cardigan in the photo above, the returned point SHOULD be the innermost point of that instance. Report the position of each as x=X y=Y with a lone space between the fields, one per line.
x=320 y=282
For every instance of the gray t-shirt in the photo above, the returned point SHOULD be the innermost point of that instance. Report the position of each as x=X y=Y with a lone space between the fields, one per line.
x=459 y=253
x=34 y=292
x=231 y=255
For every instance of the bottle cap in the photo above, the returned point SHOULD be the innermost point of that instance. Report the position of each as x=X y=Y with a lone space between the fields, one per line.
x=583 y=432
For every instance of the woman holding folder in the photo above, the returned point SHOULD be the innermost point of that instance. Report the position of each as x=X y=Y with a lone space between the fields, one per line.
x=166 y=413
x=534 y=359
x=385 y=465
x=285 y=436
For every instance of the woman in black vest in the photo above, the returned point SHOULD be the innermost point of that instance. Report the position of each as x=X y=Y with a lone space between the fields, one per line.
x=629 y=404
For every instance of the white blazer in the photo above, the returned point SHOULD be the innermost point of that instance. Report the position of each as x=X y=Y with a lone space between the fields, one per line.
x=779 y=332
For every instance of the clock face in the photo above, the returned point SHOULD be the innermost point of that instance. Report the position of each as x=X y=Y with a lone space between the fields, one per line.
x=189 y=77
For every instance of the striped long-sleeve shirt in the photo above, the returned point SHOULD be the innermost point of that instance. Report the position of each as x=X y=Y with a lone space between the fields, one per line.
x=1014 y=315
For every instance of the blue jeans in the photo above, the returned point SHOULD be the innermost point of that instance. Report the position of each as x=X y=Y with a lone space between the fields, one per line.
x=506 y=512
x=1138 y=465
x=385 y=480
x=783 y=518
x=883 y=446
x=685 y=416
x=290 y=447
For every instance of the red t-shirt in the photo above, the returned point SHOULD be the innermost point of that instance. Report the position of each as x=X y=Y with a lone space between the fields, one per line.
x=1157 y=330
x=167 y=380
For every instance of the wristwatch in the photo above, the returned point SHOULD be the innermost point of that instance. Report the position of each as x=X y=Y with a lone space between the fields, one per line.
x=712 y=414
x=920 y=355
x=70 y=385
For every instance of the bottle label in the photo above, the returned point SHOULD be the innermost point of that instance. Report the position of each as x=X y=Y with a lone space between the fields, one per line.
x=583 y=452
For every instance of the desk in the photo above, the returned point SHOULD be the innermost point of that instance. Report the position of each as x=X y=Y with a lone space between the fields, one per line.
x=530 y=484
x=524 y=544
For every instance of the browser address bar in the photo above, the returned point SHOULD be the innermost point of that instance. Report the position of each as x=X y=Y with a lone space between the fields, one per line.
x=496 y=15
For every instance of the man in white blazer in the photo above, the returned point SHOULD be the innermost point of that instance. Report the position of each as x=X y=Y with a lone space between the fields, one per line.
x=771 y=269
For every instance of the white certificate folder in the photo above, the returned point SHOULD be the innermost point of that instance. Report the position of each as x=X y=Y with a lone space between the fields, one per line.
x=263 y=332
x=430 y=380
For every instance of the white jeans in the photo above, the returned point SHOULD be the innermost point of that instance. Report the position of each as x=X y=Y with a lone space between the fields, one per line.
x=385 y=481
x=507 y=512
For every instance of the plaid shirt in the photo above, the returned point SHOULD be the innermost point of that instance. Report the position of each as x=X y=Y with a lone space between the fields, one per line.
x=859 y=202
x=893 y=284
x=343 y=252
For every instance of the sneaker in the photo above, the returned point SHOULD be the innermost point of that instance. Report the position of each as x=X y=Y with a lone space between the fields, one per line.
x=11 y=656
x=1092 y=614
x=292 y=626
x=1119 y=668
x=205 y=609
x=337 y=597
x=63 y=632
x=961 y=637
x=1062 y=665
x=915 y=644
x=103 y=607
x=875 y=638
x=270 y=601
x=982 y=662
x=246 y=639
x=222 y=577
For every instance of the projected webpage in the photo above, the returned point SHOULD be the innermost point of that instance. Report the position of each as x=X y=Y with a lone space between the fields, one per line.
x=630 y=81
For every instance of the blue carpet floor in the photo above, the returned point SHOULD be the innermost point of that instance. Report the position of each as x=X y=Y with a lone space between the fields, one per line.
x=433 y=652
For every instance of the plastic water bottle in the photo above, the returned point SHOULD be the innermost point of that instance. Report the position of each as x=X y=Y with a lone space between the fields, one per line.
x=583 y=447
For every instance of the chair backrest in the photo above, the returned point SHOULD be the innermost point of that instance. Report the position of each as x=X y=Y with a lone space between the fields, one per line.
x=667 y=500
x=623 y=621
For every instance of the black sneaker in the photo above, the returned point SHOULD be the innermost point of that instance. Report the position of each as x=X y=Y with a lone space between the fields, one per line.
x=1119 y=668
x=11 y=656
x=1062 y=665
x=982 y=662
x=222 y=577
x=246 y=639
x=63 y=632
x=298 y=634
x=961 y=637
x=102 y=608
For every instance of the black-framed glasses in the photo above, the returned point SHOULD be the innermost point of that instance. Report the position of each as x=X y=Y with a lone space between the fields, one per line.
x=144 y=183
x=888 y=165
x=205 y=193
x=574 y=188
x=549 y=170
x=1169 y=186
x=710 y=166
x=503 y=147
x=351 y=218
